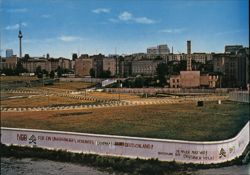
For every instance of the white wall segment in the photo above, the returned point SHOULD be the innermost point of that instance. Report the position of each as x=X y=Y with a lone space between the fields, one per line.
x=240 y=96
x=133 y=147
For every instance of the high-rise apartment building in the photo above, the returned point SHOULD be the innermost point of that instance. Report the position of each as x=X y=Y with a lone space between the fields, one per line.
x=159 y=50
x=9 y=53
x=232 y=48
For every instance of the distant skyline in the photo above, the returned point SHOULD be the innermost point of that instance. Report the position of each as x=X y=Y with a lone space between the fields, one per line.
x=63 y=27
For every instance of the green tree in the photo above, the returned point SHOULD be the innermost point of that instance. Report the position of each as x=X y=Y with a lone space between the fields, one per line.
x=74 y=56
x=158 y=57
x=19 y=68
x=139 y=82
x=162 y=70
x=52 y=74
x=8 y=71
x=105 y=74
x=26 y=57
x=92 y=72
x=59 y=71
x=39 y=72
x=45 y=72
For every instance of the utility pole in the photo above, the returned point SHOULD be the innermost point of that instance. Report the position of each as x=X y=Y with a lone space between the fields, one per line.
x=48 y=95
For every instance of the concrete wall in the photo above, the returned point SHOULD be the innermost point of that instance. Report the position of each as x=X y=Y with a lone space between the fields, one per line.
x=87 y=80
x=240 y=96
x=204 y=80
x=167 y=90
x=133 y=147
x=190 y=79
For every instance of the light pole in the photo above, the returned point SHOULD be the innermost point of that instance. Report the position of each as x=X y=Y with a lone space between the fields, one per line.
x=119 y=86
x=48 y=96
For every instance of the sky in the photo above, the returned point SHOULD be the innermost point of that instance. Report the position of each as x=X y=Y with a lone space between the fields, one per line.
x=63 y=27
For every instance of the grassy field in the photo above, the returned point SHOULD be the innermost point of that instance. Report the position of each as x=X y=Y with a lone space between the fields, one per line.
x=38 y=100
x=172 y=121
x=106 y=95
x=71 y=85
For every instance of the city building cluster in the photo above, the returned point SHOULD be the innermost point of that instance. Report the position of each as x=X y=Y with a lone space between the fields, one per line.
x=182 y=70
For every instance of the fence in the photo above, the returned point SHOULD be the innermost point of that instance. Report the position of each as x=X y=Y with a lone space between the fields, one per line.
x=240 y=96
x=167 y=90
x=87 y=80
x=133 y=147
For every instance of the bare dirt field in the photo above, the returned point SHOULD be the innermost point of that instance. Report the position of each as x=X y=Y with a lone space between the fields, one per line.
x=41 y=100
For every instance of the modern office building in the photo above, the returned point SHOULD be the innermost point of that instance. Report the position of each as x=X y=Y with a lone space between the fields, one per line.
x=159 y=50
x=9 y=53
x=232 y=48
x=163 y=49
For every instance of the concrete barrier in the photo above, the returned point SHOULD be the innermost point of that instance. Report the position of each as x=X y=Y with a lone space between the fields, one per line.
x=240 y=96
x=133 y=147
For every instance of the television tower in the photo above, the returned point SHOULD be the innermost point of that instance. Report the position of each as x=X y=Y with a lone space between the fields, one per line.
x=189 y=58
x=20 y=36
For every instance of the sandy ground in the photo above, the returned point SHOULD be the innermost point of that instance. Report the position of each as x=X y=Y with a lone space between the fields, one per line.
x=27 y=166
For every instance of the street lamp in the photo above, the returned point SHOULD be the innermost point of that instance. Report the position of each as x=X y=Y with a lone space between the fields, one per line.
x=119 y=86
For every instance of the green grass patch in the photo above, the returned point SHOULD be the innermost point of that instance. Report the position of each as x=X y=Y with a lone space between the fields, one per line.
x=184 y=121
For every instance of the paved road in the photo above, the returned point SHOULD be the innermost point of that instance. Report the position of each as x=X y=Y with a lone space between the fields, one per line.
x=232 y=170
x=27 y=166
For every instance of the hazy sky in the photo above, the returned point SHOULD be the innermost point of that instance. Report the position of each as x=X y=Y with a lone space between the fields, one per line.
x=62 y=27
